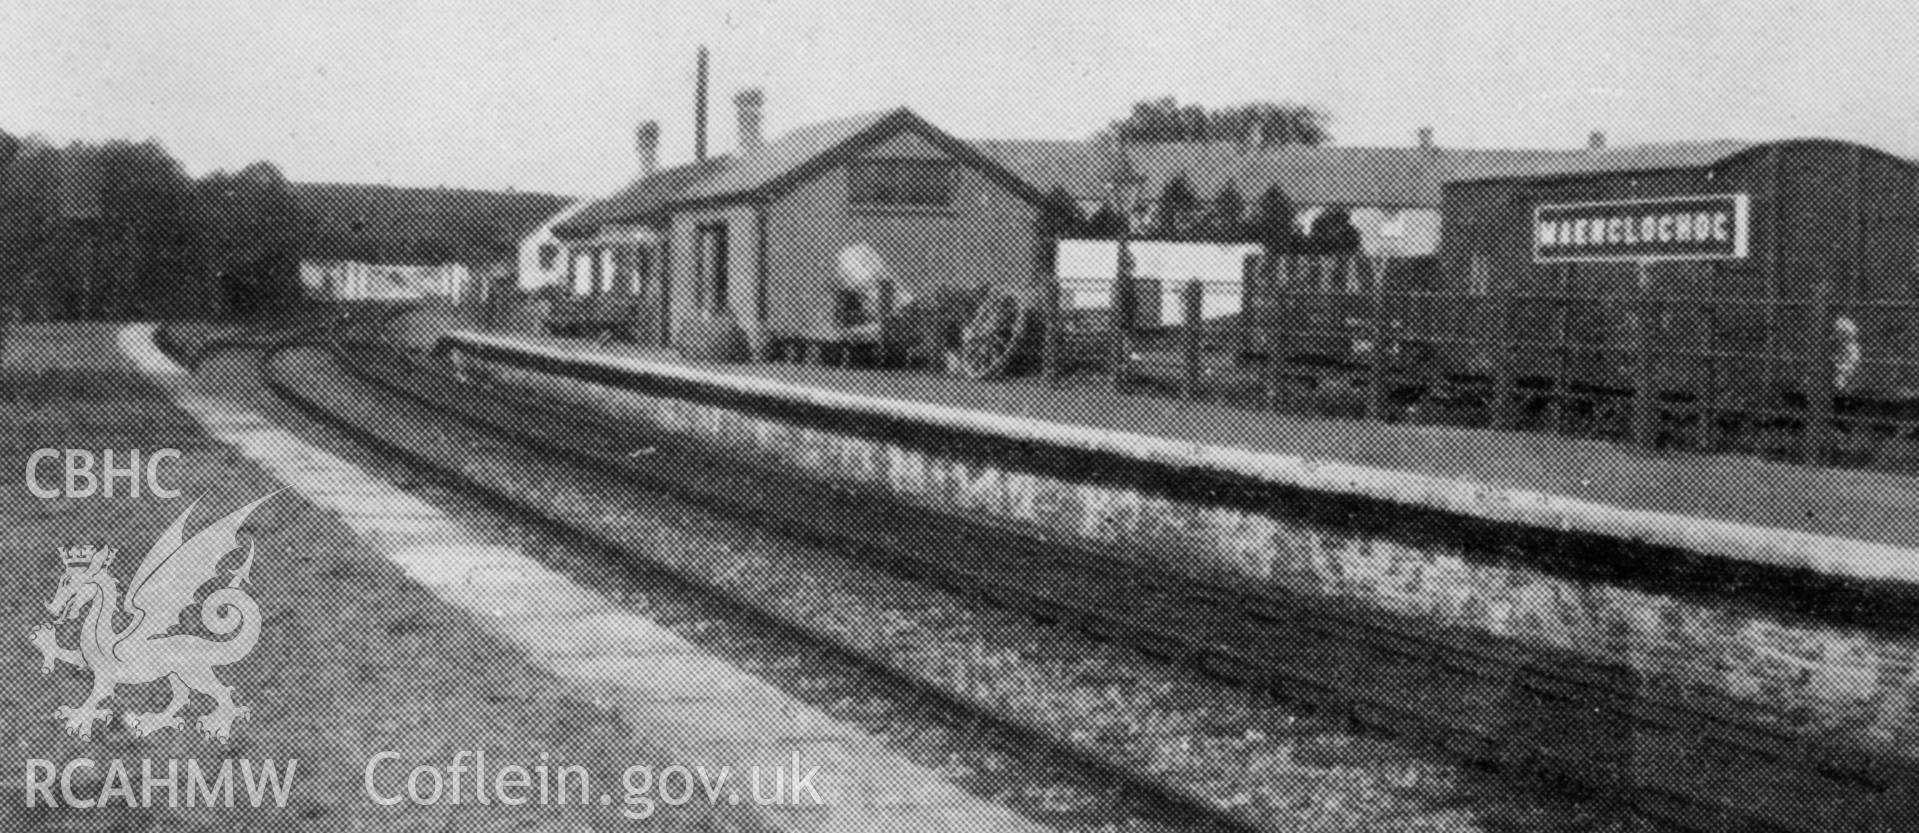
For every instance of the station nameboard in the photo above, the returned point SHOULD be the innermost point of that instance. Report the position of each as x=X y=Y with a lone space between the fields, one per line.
x=1712 y=227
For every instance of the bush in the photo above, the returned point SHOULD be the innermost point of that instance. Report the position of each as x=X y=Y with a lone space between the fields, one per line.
x=715 y=336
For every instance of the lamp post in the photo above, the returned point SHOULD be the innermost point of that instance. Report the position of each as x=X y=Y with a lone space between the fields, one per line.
x=1124 y=185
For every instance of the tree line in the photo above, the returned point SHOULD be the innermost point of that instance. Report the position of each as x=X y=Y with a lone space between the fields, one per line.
x=1180 y=213
x=1271 y=220
x=1259 y=124
x=118 y=229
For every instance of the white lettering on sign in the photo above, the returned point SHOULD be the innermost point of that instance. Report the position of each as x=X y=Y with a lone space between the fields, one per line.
x=1667 y=228
x=1661 y=228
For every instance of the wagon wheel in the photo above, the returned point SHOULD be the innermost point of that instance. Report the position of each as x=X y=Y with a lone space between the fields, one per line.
x=993 y=339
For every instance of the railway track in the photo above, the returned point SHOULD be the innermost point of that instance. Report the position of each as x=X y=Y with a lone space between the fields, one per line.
x=1140 y=801
x=1525 y=715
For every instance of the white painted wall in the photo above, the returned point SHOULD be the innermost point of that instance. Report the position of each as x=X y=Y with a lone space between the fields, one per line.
x=1086 y=269
x=531 y=275
x=352 y=280
x=1395 y=232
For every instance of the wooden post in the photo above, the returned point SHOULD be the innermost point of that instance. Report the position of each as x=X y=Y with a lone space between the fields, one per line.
x=1189 y=341
x=1645 y=429
x=1049 y=351
x=1502 y=405
x=883 y=301
x=1709 y=410
x=1376 y=312
x=1242 y=334
x=1124 y=303
x=1819 y=371
x=1556 y=406
x=1122 y=347
x=1275 y=282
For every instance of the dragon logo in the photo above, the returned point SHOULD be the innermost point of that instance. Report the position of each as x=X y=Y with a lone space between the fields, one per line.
x=147 y=647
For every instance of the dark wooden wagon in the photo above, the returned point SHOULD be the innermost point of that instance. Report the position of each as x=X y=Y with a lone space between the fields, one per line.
x=1732 y=275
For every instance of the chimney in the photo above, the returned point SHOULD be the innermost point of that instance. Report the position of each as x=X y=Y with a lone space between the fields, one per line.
x=699 y=111
x=1426 y=138
x=1596 y=140
x=646 y=142
x=752 y=105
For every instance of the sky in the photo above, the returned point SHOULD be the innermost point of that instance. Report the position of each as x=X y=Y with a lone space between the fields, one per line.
x=544 y=94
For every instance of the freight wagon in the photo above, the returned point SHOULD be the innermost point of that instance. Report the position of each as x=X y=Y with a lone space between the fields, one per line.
x=1744 y=275
x=1726 y=276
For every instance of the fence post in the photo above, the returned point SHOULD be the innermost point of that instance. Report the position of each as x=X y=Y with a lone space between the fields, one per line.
x=1243 y=324
x=884 y=300
x=1557 y=402
x=1275 y=287
x=1049 y=348
x=1819 y=347
x=1189 y=342
x=1645 y=432
x=1376 y=373
x=1122 y=343
x=1708 y=411
x=1124 y=304
x=1502 y=410
x=8 y=314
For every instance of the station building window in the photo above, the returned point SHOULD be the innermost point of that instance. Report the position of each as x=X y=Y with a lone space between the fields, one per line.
x=578 y=273
x=608 y=271
x=636 y=269
x=900 y=183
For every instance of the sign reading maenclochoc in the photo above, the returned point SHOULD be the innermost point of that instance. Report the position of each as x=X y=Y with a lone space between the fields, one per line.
x=1714 y=227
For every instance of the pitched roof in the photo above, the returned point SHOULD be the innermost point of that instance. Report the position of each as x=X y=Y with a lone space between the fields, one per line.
x=782 y=157
x=1309 y=175
x=768 y=168
x=1618 y=160
x=644 y=199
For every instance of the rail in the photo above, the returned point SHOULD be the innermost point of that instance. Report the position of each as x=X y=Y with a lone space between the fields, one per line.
x=1529 y=714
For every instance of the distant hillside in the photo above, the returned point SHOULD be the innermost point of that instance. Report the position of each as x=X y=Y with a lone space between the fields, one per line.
x=386 y=224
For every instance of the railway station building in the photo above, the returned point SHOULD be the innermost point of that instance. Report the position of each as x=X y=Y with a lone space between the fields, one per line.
x=777 y=233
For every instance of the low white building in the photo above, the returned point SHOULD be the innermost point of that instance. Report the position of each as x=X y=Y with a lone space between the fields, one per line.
x=352 y=280
x=584 y=266
x=543 y=258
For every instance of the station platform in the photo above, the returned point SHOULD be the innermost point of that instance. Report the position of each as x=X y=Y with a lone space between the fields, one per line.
x=680 y=705
x=1852 y=526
